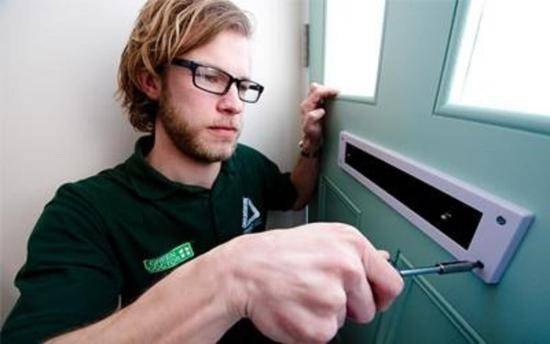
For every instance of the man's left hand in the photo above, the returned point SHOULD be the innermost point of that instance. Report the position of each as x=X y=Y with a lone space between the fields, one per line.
x=312 y=115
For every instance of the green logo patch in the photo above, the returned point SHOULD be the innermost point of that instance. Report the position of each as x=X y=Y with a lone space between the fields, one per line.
x=174 y=257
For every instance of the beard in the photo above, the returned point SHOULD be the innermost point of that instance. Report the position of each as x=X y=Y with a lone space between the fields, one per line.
x=187 y=138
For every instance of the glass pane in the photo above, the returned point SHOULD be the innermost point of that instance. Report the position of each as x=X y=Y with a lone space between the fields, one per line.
x=504 y=57
x=352 y=45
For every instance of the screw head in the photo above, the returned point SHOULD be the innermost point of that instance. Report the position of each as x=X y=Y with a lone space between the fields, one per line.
x=446 y=216
x=501 y=220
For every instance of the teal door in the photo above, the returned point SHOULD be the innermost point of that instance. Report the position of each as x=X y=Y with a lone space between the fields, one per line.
x=505 y=154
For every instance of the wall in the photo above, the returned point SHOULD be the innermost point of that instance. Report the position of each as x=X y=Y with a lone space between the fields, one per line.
x=59 y=121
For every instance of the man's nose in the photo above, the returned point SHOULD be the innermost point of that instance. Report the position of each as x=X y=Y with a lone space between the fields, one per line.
x=230 y=103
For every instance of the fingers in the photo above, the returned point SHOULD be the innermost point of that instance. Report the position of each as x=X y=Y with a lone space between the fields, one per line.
x=312 y=113
x=315 y=115
x=317 y=93
x=312 y=121
x=341 y=317
x=385 y=254
x=322 y=90
x=385 y=281
x=361 y=306
x=305 y=326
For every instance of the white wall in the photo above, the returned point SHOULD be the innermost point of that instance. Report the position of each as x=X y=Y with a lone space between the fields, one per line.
x=59 y=121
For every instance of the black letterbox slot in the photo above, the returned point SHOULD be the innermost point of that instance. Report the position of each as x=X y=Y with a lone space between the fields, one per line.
x=452 y=217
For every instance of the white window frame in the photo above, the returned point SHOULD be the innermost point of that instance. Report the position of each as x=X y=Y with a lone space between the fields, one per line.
x=533 y=122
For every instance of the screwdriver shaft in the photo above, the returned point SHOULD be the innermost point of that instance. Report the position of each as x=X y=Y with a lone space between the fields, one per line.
x=442 y=268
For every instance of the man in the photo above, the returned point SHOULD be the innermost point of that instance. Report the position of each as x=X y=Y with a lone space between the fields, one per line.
x=152 y=250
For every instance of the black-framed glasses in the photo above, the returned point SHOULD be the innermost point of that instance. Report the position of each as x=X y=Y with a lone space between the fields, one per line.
x=217 y=81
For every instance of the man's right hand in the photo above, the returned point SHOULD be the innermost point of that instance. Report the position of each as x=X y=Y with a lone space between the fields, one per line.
x=296 y=285
x=299 y=285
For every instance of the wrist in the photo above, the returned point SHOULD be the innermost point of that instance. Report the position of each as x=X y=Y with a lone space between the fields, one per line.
x=209 y=288
x=233 y=289
x=310 y=148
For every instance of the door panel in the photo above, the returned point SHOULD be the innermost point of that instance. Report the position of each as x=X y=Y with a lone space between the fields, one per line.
x=509 y=163
x=336 y=206
x=424 y=319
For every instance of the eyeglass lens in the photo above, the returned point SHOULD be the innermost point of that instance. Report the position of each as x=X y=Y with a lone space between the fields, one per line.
x=214 y=80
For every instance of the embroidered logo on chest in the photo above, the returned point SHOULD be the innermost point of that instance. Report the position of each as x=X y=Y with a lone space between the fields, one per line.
x=251 y=216
x=172 y=258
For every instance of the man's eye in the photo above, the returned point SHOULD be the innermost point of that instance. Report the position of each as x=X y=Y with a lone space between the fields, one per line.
x=213 y=78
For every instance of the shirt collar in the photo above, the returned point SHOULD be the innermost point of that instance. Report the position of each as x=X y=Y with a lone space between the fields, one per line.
x=151 y=184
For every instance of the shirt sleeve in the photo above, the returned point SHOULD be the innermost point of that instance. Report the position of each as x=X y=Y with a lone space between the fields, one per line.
x=279 y=190
x=70 y=278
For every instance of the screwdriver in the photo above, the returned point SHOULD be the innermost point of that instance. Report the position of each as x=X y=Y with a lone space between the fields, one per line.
x=443 y=268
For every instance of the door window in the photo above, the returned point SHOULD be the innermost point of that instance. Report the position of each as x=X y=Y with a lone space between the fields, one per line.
x=499 y=62
x=353 y=38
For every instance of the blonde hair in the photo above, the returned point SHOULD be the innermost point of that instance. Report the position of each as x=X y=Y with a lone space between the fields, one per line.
x=163 y=30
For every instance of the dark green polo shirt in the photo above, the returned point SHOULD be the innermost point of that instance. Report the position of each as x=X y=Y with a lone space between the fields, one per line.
x=112 y=236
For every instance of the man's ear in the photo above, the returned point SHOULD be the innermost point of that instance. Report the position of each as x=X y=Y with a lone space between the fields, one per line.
x=150 y=85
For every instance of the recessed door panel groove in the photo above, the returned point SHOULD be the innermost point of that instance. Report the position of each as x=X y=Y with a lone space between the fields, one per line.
x=335 y=206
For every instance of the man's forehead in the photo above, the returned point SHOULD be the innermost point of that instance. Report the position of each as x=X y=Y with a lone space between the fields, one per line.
x=228 y=51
